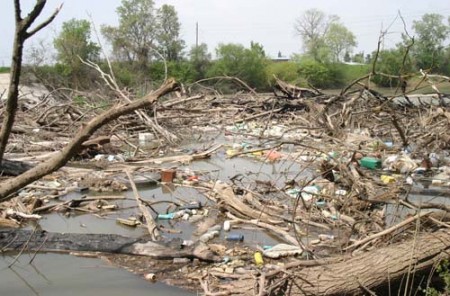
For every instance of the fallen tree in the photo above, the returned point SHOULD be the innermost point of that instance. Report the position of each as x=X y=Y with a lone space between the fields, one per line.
x=43 y=241
x=10 y=186
x=376 y=270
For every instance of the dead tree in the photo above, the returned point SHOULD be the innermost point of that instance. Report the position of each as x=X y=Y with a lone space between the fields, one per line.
x=21 y=35
x=399 y=266
x=10 y=186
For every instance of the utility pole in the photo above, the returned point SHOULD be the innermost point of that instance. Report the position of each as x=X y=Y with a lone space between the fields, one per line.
x=196 y=34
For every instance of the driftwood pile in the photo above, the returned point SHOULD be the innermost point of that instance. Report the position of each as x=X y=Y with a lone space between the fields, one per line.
x=331 y=217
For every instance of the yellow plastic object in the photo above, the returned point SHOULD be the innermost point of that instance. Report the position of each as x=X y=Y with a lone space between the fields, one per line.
x=387 y=179
x=258 y=258
x=257 y=153
x=231 y=152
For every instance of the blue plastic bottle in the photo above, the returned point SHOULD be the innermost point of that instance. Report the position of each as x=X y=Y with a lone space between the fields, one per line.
x=235 y=237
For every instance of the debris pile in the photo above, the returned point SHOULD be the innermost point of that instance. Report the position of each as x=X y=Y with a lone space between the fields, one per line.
x=324 y=179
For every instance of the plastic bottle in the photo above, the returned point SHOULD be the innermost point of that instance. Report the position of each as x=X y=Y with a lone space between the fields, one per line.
x=187 y=243
x=192 y=206
x=235 y=237
x=226 y=225
x=217 y=227
x=150 y=276
x=326 y=237
x=208 y=236
x=309 y=192
x=168 y=216
x=258 y=258
x=179 y=214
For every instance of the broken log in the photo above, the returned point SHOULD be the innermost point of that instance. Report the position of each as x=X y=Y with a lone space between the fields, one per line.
x=151 y=224
x=225 y=194
x=13 y=167
x=10 y=186
x=371 y=271
x=293 y=91
x=43 y=241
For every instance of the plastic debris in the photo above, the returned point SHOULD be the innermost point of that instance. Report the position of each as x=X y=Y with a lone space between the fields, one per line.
x=309 y=192
x=387 y=179
x=235 y=237
x=209 y=236
x=282 y=250
x=258 y=258
x=370 y=162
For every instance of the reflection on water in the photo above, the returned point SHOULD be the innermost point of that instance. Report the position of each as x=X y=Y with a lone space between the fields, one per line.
x=55 y=274
x=66 y=275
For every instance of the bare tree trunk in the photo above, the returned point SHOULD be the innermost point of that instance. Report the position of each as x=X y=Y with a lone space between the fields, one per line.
x=401 y=263
x=21 y=34
x=12 y=185
x=397 y=269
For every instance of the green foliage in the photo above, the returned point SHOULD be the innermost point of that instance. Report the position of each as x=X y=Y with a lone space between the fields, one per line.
x=428 y=49
x=321 y=75
x=144 y=38
x=135 y=37
x=124 y=74
x=200 y=61
x=443 y=271
x=390 y=62
x=324 y=38
x=4 y=70
x=181 y=71
x=247 y=64
x=72 y=44
x=286 y=71
x=352 y=72
x=170 y=45
x=339 y=40
x=359 y=58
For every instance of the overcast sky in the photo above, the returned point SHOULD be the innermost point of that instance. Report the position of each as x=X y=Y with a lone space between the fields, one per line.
x=269 y=22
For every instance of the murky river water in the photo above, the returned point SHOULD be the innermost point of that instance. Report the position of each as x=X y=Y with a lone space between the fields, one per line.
x=64 y=275
x=56 y=274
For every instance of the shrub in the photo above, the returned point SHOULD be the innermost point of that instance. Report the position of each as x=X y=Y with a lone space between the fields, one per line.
x=286 y=71
x=320 y=75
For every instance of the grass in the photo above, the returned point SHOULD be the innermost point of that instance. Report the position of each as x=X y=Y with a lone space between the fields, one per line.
x=415 y=85
x=4 y=69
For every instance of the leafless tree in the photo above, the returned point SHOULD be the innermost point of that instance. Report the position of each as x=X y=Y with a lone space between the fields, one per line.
x=22 y=33
x=312 y=26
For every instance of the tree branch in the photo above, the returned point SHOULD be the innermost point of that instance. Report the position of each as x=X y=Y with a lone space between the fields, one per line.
x=44 y=23
x=12 y=185
x=17 y=11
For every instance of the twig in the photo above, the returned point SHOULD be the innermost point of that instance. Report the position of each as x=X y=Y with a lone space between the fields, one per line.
x=151 y=224
x=38 y=249
x=387 y=231
x=23 y=248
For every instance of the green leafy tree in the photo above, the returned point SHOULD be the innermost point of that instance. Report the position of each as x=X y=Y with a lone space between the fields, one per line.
x=318 y=74
x=428 y=50
x=200 y=60
x=134 y=40
x=72 y=44
x=347 y=57
x=248 y=64
x=312 y=26
x=168 y=37
x=390 y=62
x=339 y=40
x=286 y=71
x=359 y=58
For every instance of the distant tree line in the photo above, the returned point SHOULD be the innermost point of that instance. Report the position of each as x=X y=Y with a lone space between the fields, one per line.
x=146 y=46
